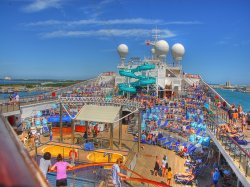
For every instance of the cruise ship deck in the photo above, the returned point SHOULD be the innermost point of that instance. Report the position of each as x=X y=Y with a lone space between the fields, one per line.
x=152 y=98
x=145 y=158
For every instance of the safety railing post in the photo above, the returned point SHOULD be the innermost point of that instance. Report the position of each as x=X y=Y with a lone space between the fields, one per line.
x=246 y=167
x=234 y=151
x=36 y=152
x=240 y=159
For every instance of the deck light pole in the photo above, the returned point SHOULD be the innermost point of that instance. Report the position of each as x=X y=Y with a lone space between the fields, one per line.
x=61 y=134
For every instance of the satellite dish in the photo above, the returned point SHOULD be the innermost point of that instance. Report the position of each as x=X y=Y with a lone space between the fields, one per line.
x=161 y=47
x=122 y=50
x=178 y=51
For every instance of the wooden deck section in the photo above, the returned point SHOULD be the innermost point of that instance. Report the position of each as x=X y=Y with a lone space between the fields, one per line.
x=145 y=159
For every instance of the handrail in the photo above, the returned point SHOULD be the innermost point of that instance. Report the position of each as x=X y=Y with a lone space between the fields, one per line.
x=99 y=164
x=126 y=168
x=232 y=146
x=47 y=94
x=141 y=179
x=115 y=101
x=243 y=150
x=247 y=154
x=19 y=168
x=213 y=90
x=146 y=181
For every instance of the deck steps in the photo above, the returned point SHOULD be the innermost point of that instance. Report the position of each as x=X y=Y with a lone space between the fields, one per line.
x=132 y=128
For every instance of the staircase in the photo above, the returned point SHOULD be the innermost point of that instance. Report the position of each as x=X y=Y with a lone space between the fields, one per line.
x=132 y=127
x=191 y=81
x=108 y=181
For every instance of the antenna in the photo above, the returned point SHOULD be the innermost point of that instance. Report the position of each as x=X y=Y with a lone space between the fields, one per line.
x=155 y=34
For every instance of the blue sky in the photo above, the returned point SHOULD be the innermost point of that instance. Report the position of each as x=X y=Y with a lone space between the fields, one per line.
x=77 y=39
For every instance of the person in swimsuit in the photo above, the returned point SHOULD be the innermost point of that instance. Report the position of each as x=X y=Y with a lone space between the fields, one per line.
x=157 y=166
x=169 y=176
x=61 y=169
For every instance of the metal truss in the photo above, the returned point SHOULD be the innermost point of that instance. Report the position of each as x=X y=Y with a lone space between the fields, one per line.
x=103 y=101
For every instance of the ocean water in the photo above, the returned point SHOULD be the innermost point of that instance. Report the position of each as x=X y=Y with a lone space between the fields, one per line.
x=20 y=81
x=22 y=94
x=234 y=97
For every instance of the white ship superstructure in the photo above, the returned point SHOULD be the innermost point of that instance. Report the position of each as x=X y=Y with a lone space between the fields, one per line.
x=169 y=77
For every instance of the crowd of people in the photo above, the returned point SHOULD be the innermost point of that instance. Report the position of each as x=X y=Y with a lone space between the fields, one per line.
x=14 y=98
x=60 y=167
x=183 y=117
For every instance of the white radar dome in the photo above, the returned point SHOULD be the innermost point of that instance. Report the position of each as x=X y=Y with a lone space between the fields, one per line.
x=178 y=51
x=122 y=50
x=161 y=47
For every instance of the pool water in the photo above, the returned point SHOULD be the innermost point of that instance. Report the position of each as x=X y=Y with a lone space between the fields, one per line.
x=55 y=150
x=101 y=157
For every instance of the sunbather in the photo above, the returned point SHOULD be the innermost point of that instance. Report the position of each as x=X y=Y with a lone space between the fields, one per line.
x=185 y=177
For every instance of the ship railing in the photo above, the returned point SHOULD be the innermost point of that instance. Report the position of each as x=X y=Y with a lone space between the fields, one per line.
x=103 y=173
x=131 y=158
x=102 y=100
x=38 y=99
x=98 y=92
x=174 y=65
x=214 y=92
x=59 y=91
x=93 y=168
x=16 y=159
x=192 y=76
x=239 y=154
x=9 y=107
x=48 y=95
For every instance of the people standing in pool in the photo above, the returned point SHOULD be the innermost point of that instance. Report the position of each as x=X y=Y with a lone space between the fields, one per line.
x=61 y=171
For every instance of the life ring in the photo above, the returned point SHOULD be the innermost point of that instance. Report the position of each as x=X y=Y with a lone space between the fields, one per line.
x=72 y=154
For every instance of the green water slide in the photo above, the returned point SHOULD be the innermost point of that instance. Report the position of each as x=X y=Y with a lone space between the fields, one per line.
x=142 y=80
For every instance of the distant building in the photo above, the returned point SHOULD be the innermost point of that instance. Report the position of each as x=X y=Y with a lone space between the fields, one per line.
x=228 y=84
x=7 y=78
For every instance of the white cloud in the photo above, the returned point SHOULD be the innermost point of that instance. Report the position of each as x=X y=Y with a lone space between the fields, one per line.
x=183 y=23
x=230 y=41
x=133 y=21
x=39 y=5
x=95 y=10
x=45 y=23
x=107 y=33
